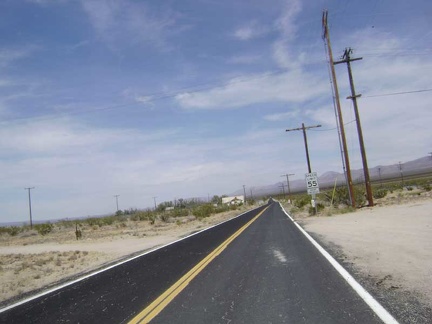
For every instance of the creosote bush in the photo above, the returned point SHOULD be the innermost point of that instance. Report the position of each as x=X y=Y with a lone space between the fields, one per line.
x=203 y=211
x=44 y=229
x=301 y=201
x=379 y=193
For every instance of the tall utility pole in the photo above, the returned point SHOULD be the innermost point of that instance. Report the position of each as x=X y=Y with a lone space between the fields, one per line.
x=303 y=128
x=29 y=200
x=283 y=188
x=379 y=173
x=401 y=173
x=288 y=184
x=154 y=199
x=340 y=122
x=116 y=197
x=244 y=192
x=346 y=58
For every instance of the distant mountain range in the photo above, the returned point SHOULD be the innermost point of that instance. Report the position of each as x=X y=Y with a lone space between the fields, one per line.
x=328 y=179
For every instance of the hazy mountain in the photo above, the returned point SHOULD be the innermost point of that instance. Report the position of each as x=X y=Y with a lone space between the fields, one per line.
x=327 y=179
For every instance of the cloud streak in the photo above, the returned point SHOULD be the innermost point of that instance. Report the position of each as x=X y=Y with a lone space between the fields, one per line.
x=118 y=21
x=293 y=87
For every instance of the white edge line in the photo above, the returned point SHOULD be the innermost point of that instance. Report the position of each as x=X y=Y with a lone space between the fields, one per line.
x=114 y=265
x=379 y=310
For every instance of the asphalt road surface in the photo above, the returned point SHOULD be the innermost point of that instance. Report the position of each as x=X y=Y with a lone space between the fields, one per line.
x=256 y=268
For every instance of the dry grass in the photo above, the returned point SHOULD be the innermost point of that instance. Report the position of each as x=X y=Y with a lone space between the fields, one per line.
x=397 y=197
x=26 y=272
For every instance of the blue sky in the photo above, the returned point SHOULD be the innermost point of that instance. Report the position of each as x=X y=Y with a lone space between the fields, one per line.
x=179 y=99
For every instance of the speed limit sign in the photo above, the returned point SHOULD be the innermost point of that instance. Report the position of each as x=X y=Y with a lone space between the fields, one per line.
x=312 y=183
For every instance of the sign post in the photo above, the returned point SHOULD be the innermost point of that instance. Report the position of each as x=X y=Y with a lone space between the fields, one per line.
x=312 y=187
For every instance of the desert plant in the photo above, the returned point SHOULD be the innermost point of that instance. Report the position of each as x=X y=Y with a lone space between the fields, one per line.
x=152 y=218
x=379 y=193
x=13 y=230
x=203 y=211
x=44 y=229
x=164 y=218
x=341 y=196
x=301 y=201
x=319 y=207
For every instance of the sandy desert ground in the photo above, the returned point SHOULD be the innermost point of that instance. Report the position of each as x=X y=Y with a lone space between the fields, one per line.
x=389 y=245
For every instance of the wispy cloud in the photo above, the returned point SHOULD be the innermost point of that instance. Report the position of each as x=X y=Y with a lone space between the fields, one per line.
x=286 y=87
x=283 y=52
x=12 y=54
x=282 y=116
x=250 y=31
x=244 y=59
x=116 y=22
x=146 y=100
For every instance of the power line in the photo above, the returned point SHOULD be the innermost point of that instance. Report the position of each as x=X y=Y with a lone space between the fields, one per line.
x=397 y=93
x=331 y=129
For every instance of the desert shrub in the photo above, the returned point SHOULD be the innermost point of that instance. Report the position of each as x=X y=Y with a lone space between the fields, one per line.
x=94 y=221
x=235 y=206
x=301 y=201
x=178 y=212
x=65 y=224
x=393 y=187
x=152 y=218
x=379 y=193
x=342 y=196
x=44 y=229
x=109 y=220
x=164 y=218
x=203 y=211
x=103 y=221
x=12 y=230
x=319 y=208
x=141 y=215
x=221 y=208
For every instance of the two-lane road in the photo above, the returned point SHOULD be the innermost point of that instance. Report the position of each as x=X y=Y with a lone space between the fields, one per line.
x=269 y=274
x=257 y=268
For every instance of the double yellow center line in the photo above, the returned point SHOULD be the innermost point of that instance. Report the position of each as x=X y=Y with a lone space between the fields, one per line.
x=163 y=300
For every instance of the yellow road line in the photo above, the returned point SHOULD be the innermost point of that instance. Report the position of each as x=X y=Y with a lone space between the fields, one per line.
x=163 y=300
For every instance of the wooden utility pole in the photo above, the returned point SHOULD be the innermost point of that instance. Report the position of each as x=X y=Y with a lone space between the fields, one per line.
x=303 y=128
x=346 y=58
x=326 y=38
x=116 y=197
x=283 y=188
x=29 y=203
x=154 y=199
x=288 y=185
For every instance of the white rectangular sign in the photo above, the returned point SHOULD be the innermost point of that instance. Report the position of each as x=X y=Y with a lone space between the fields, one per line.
x=312 y=183
x=313 y=191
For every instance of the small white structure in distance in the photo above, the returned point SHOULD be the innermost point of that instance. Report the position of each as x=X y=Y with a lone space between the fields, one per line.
x=234 y=200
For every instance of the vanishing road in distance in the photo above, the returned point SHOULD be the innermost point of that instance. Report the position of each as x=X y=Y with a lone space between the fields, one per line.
x=256 y=268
